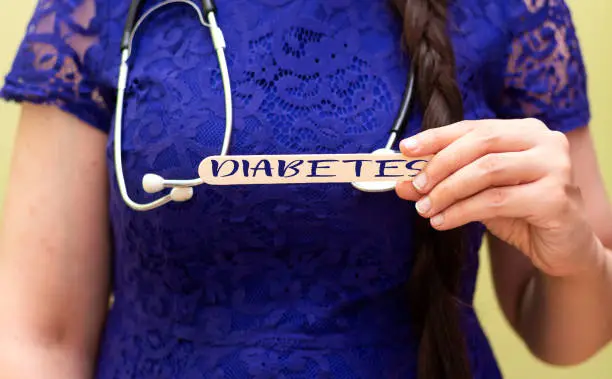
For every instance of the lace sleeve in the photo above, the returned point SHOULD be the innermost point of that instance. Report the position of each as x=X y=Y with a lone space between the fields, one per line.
x=51 y=65
x=545 y=75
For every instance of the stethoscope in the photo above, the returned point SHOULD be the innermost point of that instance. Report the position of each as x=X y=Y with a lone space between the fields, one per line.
x=182 y=190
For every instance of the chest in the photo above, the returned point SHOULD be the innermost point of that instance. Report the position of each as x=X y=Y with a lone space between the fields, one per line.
x=300 y=71
x=307 y=76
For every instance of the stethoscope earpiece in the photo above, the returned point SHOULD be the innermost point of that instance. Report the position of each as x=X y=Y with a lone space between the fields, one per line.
x=181 y=194
x=153 y=183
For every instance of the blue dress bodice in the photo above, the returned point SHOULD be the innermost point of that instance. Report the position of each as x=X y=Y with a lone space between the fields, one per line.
x=291 y=281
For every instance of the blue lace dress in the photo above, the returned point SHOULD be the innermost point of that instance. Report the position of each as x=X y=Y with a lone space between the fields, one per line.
x=295 y=281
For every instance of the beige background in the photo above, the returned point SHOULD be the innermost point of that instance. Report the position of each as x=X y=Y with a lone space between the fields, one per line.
x=595 y=29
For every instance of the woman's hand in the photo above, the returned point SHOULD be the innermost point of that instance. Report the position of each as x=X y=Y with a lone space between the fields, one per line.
x=513 y=176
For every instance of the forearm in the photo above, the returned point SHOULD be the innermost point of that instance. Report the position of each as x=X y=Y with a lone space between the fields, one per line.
x=32 y=361
x=565 y=320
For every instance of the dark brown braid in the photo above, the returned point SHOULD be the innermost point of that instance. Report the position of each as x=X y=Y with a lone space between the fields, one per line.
x=435 y=279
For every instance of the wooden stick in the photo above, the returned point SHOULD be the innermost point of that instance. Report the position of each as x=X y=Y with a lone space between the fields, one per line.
x=311 y=168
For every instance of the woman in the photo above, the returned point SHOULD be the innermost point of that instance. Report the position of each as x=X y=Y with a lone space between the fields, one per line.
x=301 y=281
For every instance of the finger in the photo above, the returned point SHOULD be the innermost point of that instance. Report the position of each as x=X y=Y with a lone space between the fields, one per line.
x=406 y=191
x=491 y=170
x=434 y=140
x=470 y=147
x=533 y=202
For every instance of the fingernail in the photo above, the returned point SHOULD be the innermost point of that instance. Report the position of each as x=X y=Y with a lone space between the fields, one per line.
x=420 y=182
x=410 y=143
x=423 y=205
x=437 y=220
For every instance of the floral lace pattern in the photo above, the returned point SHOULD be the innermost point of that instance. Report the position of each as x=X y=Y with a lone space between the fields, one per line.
x=298 y=281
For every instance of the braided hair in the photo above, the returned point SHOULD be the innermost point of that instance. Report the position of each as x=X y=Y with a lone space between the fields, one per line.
x=439 y=256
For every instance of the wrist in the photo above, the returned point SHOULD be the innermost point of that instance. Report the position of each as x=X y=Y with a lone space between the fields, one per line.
x=591 y=265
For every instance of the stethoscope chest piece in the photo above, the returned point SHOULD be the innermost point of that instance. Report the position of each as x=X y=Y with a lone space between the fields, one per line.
x=377 y=186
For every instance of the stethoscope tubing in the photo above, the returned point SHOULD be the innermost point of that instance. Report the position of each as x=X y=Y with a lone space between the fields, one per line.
x=182 y=190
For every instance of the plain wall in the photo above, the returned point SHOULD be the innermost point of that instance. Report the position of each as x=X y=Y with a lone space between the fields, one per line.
x=592 y=19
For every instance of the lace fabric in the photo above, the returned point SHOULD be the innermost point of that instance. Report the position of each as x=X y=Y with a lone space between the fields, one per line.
x=544 y=75
x=51 y=65
x=300 y=281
